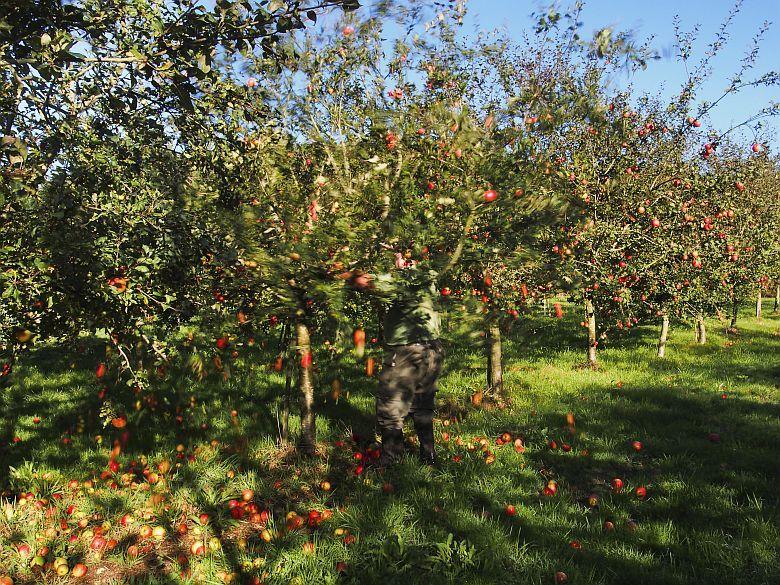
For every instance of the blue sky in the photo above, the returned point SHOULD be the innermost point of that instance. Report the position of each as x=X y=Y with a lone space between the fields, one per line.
x=656 y=18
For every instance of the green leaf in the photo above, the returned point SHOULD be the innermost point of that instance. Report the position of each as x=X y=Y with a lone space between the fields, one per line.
x=203 y=63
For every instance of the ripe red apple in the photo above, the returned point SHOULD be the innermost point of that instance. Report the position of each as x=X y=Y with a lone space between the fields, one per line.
x=78 y=571
x=223 y=342
x=24 y=550
x=490 y=195
x=655 y=222
x=510 y=510
x=637 y=445
x=617 y=484
x=197 y=548
x=756 y=147
x=641 y=492
x=101 y=370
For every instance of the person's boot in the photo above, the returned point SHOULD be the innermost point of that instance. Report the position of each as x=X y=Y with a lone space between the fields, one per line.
x=392 y=446
x=427 y=448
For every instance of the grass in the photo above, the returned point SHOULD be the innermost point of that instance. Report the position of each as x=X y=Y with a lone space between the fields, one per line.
x=707 y=417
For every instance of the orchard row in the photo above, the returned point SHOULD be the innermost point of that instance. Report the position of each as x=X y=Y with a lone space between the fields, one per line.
x=162 y=201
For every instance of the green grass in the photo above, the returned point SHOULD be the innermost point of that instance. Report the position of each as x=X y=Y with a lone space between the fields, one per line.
x=711 y=514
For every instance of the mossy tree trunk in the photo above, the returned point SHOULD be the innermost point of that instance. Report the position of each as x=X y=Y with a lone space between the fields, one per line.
x=495 y=372
x=307 y=440
x=701 y=330
x=734 y=315
x=590 y=319
x=664 y=336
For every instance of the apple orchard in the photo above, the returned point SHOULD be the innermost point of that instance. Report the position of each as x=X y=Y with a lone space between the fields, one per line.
x=186 y=192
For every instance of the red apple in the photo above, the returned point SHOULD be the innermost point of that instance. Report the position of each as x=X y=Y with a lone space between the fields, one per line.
x=197 y=548
x=637 y=445
x=510 y=510
x=641 y=492
x=490 y=195
x=617 y=484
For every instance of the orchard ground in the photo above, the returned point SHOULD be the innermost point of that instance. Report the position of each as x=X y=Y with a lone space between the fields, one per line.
x=698 y=430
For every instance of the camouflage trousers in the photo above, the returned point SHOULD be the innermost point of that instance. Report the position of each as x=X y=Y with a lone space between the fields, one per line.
x=408 y=384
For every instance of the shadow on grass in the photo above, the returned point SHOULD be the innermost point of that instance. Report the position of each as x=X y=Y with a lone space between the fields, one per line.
x=709 y=465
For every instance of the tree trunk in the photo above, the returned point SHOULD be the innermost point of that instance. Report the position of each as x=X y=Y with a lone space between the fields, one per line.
x=590 y=318
x=777 y=298
x=284 y=434
x=664 y=336
x=734 y=313
x=701 y=330
x=495 y=372
x=307 y=440
x=759 y=301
